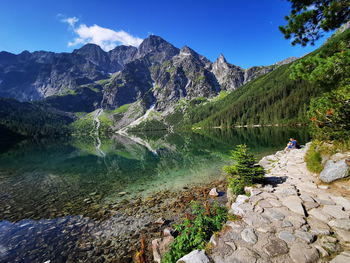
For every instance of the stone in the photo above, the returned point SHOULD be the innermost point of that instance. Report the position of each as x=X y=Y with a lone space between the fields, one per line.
x=306 y=198
x=335 y=211
x=122 y=193
x=273 y=214
x=255 y=220
x=264 y=204
x=196 y=256
x=168 y=231
x=306 y=236
x=319 y=214
x=343 y=257
x=232 y=245
x=340 y=223
x=323 y=186
x=286 y=236
x=241 y=199
x=334 y=170
x=275 y=247
x=274 y=202
x=302 y=253
x=249 y=236
x=160 y=221
x=342 y=201
x=318 y=227
x=294 y=203
x=213 y=192
x=286 y=223
x=243 y=255
x=310 y=205
x=343 y=235
x=160 y=246
x=231 y=197
x=322 y=251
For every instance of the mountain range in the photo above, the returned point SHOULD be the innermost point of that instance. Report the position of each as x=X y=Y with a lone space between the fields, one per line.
x=156 y=76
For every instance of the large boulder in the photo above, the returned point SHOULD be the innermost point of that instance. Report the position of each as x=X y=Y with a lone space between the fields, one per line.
x=334 y=170
x=196 y=256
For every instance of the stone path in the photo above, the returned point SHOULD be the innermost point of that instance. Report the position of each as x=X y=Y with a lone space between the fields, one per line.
x=291 y=219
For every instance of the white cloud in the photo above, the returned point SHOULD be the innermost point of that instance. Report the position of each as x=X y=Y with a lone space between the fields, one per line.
x=70 y=20
x=106 y=38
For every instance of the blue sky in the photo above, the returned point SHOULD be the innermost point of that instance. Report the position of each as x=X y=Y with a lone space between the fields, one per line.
x=245 y=31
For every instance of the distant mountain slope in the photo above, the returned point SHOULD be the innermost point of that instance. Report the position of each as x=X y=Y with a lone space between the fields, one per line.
x=28 y=119
x=272 y=98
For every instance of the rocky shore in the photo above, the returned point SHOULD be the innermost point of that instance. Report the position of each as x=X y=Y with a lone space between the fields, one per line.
x=291 y=218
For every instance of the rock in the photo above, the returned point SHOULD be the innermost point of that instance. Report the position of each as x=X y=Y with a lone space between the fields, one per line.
x=342 y=201
x=307 y=237
x=322 y=251
x=213 y=192
x=232 y=245
x=286 y=236
x=122 y=193
x=160 y=221
x=249 y=236
x=255 y=220
x=319 y=214
x=273 y=214
x=335 y=211
x=343 y=235
x=241 y=199
x=160 y=246
x=334 y=170
x=168 y=231
x=286 y=223
x=275 y=247
x=318 y=227
x=340 y=223
x=323 y=187
x=264 y=204
x=231 y=197
x=302 y=253
x=294 y=203
x=196 y=256
x=343 y=257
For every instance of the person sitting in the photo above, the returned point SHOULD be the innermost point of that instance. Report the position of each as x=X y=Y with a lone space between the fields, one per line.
x=292 y=144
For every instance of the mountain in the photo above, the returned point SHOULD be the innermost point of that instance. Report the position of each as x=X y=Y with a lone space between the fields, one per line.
x=156 y=74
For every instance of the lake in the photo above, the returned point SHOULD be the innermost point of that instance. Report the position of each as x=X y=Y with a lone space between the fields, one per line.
x=57 y=196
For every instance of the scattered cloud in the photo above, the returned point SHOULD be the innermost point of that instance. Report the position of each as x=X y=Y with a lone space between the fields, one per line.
x=70 y=20
x=106 y=38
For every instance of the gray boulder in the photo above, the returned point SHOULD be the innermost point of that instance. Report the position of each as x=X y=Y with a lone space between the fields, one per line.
x=196 y=256
x=334 y=170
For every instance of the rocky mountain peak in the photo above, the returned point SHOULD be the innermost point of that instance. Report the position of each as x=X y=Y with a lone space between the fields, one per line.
x=221 y=59
x=156 y=49
x=286 y=61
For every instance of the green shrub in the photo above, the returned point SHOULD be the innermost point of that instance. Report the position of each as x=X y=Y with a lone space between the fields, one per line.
x=330 y=115
x=313 y=159
x=243 y=172
x=196 y=230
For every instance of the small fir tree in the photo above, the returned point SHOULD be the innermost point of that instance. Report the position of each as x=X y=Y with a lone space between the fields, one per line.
x=243 y=172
